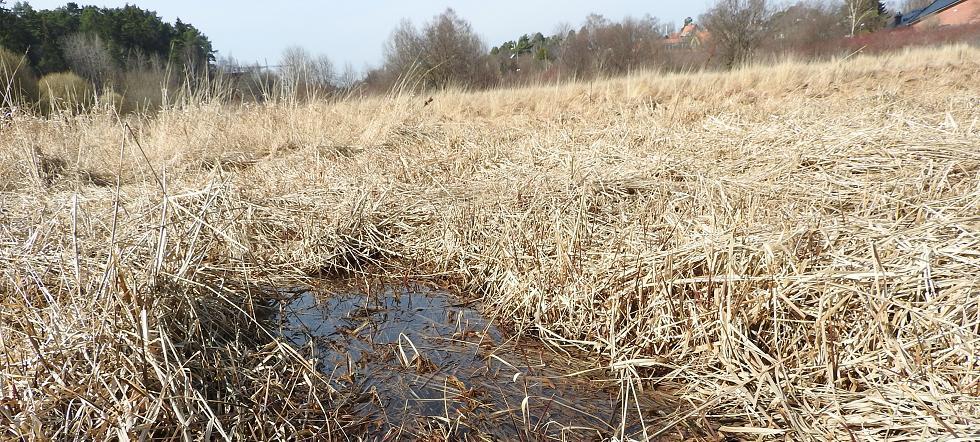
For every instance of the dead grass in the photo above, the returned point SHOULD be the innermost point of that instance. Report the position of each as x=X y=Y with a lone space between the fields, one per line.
x=790 y=250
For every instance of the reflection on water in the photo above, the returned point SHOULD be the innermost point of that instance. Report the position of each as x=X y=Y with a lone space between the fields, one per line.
x=422 y=363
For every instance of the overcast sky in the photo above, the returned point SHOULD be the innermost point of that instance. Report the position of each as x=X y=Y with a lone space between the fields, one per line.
x=354 y=31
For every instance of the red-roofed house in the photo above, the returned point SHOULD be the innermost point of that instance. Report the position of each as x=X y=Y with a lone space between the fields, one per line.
x=690 y=36
x=942 y=13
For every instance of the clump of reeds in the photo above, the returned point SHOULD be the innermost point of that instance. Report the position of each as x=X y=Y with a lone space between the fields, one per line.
x=788 y=250
x=113 y=326
x=66 y=92
x=17 y=82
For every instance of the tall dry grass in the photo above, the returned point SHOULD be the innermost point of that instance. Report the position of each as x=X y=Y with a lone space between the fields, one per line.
x=787 y=251
x=65 y=91
x=17 y=81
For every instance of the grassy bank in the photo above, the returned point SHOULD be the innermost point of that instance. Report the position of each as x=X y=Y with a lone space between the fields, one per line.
x=784 y=250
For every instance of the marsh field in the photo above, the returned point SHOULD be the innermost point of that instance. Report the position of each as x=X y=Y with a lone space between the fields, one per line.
x=786 y=251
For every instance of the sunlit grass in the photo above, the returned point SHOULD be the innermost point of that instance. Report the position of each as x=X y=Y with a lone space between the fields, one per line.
x=787 y=250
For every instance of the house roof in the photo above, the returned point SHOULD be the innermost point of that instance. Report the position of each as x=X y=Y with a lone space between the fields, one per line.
x=686 y=33
x=688 y=30
x=916 y=15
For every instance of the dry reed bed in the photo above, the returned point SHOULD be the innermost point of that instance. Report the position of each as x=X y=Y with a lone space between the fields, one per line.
x=787 y=250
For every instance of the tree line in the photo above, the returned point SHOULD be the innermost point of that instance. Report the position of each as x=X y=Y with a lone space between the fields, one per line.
x=53 y=38
x=129 y=50
x=133 y=51
x=446 y=51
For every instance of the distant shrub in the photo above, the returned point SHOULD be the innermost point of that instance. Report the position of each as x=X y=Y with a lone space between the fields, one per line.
x=65 y=91
x=147 y=84
x=893 y=40
x=880 y=42
x=17 y=82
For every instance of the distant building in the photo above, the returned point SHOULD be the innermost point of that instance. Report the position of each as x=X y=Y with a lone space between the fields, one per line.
x=941 y=13
x=690 y=36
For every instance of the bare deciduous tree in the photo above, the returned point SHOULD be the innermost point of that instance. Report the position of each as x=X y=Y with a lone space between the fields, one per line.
x=738 y=27
x=305 y=75
x=348 y=78
x=575 y=55
x=863 y=15
x=602 y=46
x=446 y=51
x=89 y=57
x=804 y=26
x=629 y=44
x=404 y=48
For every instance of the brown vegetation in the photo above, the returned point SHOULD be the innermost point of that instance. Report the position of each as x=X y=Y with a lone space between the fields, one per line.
x=17 y=82
x=65 y=91
x=785 y=250
x=444 y=52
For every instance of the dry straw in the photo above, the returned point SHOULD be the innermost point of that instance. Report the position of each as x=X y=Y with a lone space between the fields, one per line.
x=787 y=251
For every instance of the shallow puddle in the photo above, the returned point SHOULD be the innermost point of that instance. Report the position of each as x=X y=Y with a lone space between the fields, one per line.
x=422 y=364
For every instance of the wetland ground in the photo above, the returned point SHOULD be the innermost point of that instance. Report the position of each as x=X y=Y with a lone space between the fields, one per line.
x=783 y=251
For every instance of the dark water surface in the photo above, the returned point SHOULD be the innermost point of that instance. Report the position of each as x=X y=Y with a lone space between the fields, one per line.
x=423 y=364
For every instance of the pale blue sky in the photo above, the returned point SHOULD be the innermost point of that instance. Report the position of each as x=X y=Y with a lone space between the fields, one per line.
x=354 y=31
